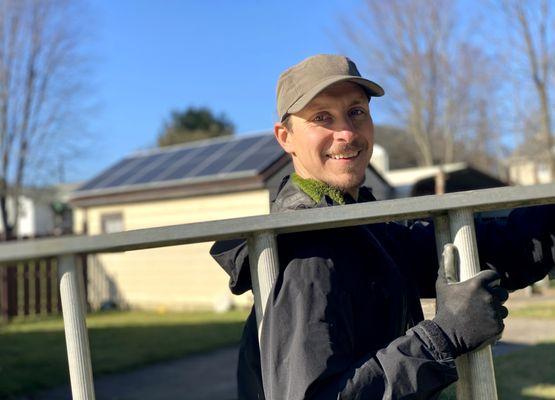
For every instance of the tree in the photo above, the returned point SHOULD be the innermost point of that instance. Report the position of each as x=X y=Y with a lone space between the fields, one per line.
x=39 y=88
x=435 y=79
x=533 y=24
x=194 y=124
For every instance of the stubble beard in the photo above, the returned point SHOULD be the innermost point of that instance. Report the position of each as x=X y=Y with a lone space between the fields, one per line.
x=353 y=181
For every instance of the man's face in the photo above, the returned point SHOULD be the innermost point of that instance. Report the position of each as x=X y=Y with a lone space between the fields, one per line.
x=331 y=139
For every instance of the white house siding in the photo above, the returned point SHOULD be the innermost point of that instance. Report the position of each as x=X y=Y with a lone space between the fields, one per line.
x=528 y=172
x=26 y=223
x=36 y=217
x=178 y=277
x=44 y=219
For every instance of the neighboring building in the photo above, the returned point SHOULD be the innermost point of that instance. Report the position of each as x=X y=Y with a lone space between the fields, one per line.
x=380 y=159
x=201 y=181
x=42 y=212
x=529 y=163
x=526 y=170
x=421 y=180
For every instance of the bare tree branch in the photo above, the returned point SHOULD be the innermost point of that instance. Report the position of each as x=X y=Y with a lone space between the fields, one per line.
x=414 y=49
x=38 y=50
x=533 y=21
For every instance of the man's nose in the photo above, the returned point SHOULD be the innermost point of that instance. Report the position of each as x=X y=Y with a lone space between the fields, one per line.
x=344 y=130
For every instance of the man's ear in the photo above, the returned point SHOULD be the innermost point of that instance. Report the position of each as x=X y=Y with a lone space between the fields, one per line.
x=283 y=136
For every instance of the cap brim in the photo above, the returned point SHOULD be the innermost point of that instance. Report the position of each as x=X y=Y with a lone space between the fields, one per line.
x=371 y=88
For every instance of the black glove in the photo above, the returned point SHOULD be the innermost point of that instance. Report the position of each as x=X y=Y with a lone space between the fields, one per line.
x=537 y=226
x=522 y=248
x=470 y=313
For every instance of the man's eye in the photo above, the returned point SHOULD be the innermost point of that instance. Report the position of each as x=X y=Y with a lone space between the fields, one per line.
x=357 y=112
x=321 y=118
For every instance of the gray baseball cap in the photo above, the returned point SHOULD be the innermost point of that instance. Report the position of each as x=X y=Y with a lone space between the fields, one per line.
x=298 y=85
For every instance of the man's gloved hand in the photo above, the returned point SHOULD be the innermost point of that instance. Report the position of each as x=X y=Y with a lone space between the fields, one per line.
x=522 y=247
x=470 y=313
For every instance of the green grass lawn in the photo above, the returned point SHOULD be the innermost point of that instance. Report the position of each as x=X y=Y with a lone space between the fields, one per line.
x=540 y=310
x=33 y=354
x=528 y=373
x=525 y=374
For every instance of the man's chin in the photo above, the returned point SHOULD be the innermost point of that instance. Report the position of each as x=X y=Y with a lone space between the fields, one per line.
x=348 y=184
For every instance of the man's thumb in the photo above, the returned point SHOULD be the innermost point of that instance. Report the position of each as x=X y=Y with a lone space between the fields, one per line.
x=448 y=268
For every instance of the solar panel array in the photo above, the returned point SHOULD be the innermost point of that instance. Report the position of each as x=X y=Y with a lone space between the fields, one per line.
x=193 y=161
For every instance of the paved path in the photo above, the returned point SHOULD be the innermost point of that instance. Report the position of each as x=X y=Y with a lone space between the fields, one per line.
x=522 y=332
x=210 y=376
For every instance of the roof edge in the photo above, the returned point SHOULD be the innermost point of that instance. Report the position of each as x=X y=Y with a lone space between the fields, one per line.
x=160 y=185
x=168 y=193
x=197 y=143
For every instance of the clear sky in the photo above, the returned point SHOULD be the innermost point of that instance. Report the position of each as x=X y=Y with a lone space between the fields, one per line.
x=150 y=57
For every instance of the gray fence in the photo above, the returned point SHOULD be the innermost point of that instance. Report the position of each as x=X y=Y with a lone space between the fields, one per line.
x=453 y=215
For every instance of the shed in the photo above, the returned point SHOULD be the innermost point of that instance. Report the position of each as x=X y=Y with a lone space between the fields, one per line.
x=200 y=181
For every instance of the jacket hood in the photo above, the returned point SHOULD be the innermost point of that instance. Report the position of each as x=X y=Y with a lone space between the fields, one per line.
x=233 y=255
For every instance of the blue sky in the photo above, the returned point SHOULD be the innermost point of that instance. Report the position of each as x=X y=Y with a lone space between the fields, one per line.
x=150 y=57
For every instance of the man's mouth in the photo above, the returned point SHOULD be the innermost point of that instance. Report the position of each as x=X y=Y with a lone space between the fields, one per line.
x=344 y=156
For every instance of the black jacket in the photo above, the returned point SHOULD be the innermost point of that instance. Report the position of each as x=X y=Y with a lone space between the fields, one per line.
x=344 y=321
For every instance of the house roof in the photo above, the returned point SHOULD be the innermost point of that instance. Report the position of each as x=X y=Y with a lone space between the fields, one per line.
x=225 y=164
x=409 y=176
x=201 y=162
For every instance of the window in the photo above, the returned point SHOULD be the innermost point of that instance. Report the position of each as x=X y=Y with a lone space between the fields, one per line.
x=112 y=222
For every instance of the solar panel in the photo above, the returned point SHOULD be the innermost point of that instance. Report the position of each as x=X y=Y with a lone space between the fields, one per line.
x=257 y=144
x=196 y=171
x=118 y=172
x=120 y=180
x=209 y=158
x=226 y=157
x=95 y=182
x=262 y=159
x=155 y=162
x=181 y=168
x=169 y=159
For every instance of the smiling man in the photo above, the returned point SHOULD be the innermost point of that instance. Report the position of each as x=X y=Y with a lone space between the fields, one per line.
x=343 y=320
x=326 y=101
x=334 y=137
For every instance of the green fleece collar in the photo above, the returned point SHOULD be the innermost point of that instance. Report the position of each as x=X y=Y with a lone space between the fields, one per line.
x=316 y=190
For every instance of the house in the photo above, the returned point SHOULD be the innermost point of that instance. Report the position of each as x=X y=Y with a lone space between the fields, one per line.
x=527 y=170
x=201 y=181
x=42 y=211
x=529 y=163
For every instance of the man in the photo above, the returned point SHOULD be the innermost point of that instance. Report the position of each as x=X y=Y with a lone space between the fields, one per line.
x=343 y=319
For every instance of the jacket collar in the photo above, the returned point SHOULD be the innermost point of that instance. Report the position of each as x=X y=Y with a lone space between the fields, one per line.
x=291 y=197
